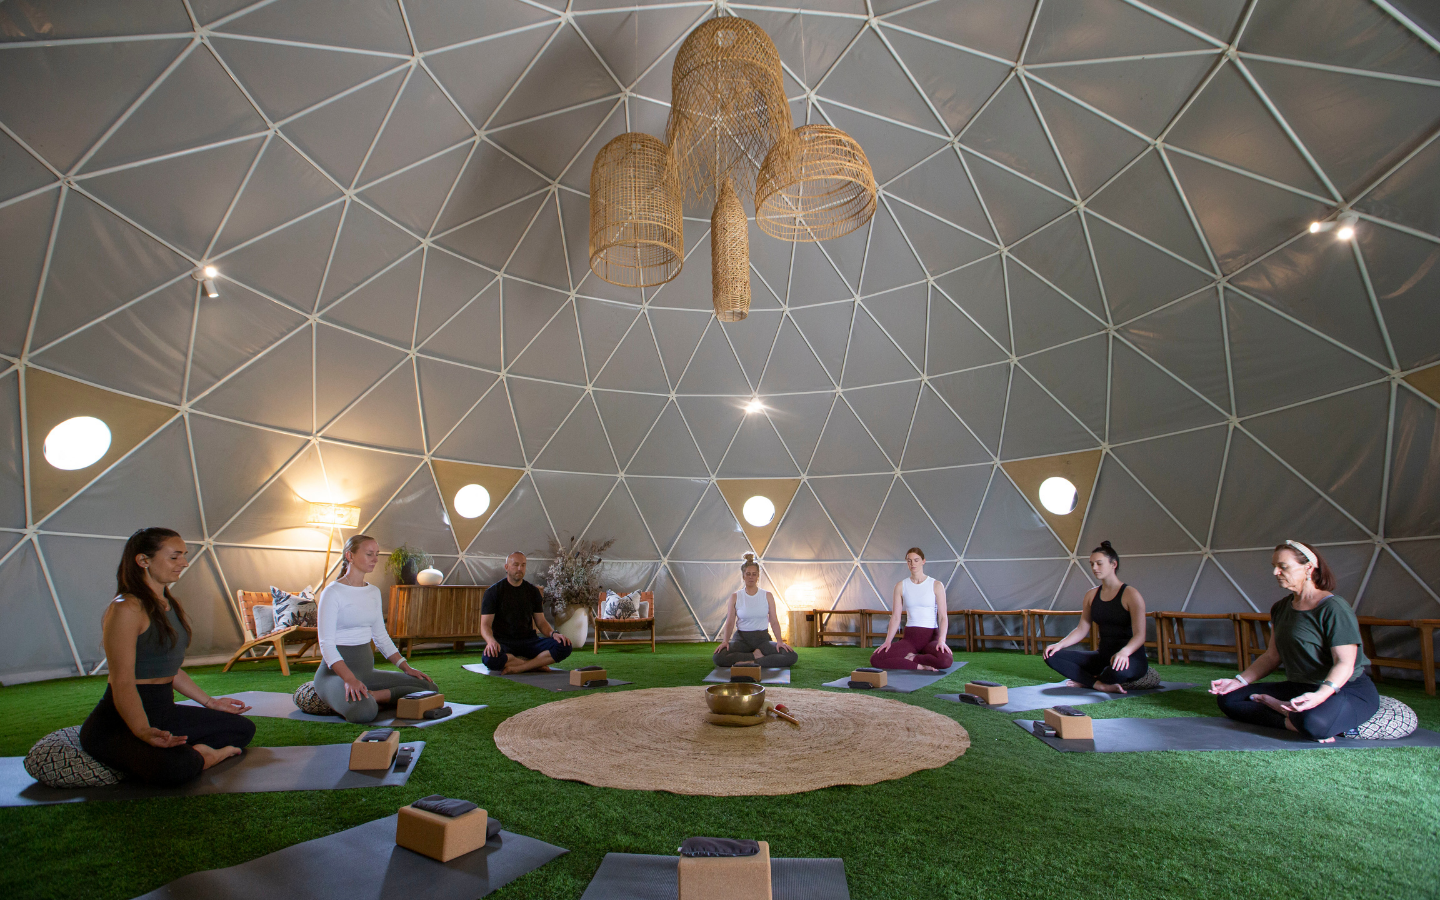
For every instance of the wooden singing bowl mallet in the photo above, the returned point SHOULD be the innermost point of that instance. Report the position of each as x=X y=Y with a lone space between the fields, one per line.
x=781 y=712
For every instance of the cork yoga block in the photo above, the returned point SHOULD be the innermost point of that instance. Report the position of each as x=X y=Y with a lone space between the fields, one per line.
x=440 y=837
x=879 y=679
x=1068 y=728
x=368 y=755
x=407 y=708
x=726 y=877
x=582 y=677
x=995 y=695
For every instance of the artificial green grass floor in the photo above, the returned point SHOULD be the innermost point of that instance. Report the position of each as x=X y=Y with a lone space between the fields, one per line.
x=1010 y=818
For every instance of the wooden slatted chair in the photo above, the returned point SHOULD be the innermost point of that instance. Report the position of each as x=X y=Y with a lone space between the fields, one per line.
x=1035 y=636
x=980 y=638
x=272 y=645
x=628 y=626
x=1254 y=636
x=824 y=629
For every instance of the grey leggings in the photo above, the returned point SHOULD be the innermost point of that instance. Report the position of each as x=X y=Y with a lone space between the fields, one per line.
x=743 y=646
x=361 y=660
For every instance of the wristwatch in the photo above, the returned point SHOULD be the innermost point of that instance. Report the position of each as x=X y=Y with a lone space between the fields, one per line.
x=1333 y=686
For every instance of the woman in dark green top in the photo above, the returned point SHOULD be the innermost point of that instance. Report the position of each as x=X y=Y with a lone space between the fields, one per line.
x=1316 y=637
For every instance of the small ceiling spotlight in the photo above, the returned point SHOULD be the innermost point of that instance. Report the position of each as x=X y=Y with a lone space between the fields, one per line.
x=754 y=406
x=1343 y=225
x=206 y=276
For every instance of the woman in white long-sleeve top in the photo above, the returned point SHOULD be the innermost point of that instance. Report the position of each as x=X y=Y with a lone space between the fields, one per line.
x=350 y=617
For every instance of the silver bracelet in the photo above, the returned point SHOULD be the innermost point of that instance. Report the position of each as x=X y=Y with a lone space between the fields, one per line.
x=1332 y=685
x=399 y=662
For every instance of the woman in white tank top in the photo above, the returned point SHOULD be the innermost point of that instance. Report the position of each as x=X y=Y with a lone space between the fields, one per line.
x=921 y=599
x=749 y=616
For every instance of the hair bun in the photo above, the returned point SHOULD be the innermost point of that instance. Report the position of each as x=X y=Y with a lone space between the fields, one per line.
x=749 y=557
x=1106 y=545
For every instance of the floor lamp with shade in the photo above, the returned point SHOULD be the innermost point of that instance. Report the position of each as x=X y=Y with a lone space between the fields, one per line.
x=334 y=515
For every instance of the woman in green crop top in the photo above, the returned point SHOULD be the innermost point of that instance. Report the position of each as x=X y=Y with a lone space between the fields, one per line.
x=1316 y=637
x=137 y=727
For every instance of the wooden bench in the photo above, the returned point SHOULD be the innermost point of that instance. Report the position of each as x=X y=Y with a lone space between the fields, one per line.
x=1254 y=630
x=1035 y=636
x=979 y=637
x=1425 y=664
x=272 y=645
x=1171 y=629
x=824 y=629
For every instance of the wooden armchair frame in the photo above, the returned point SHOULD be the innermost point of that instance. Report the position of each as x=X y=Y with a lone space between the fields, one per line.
x=626 y=626
x=1171 y=628
x=272 y=645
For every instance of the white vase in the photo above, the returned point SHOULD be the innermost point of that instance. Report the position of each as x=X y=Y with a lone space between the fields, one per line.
x=576 y=627
x=429 y=577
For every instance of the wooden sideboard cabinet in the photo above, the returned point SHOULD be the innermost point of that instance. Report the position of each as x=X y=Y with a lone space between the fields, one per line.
x=419 y=614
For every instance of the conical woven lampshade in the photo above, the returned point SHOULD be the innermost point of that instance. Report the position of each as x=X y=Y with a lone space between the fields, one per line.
x=728 y=104
x=816 y=184
x=729 y=256
x=636 y=222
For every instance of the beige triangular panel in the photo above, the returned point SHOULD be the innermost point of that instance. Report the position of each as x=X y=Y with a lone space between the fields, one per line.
x=1080 y=468
x=1427 y=382
x=50 y=400
x=779 y=491
x=452 y=476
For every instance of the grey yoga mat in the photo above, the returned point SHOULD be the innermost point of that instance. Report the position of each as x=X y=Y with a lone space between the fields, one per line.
x=767 y=676
x=635 y=876
x=274 y=705
x=558 y=680
x=259 y=769
x=363 y=863
x=1208 y=733
x=1044 y=696
x=900 y=681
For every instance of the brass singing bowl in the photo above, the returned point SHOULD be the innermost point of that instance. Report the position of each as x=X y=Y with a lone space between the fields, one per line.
x=736 y=699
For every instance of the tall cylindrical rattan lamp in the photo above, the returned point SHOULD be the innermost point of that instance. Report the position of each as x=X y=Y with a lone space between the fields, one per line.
x=729 y=256
x=728 y=104
x=816 y=184
x=636 y=220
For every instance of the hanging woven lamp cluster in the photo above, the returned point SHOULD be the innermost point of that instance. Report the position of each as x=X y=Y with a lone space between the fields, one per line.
x=816 y=184
x=729 y=256
x=636 y=220
x=729 y=133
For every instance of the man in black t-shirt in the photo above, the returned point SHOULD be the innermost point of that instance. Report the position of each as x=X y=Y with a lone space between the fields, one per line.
x=517 y=637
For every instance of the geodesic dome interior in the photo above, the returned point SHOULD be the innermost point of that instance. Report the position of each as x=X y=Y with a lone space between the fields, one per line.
x=1091 y=254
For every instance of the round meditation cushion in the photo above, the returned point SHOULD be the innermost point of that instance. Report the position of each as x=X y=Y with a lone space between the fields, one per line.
x=1392 y=721
x=307 y=701
x=1147 y=682
x=57 y=761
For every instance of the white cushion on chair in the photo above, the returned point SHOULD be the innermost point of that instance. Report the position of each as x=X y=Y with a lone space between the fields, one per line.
x=264 y=619
x=57 y=760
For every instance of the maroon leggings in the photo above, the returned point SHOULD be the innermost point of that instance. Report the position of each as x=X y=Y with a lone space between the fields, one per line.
x=915 y=640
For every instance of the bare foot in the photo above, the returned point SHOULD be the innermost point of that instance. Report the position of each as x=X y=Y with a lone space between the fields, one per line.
x=1109 y=688
x=1267 y=700
x=1070 y=682
x=544 y=669
x=213 y=756
x=924 y=668
x=1329 y=740
x=381 y=696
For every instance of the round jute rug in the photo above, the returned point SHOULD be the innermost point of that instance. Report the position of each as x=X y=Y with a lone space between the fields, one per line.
x=658 y=740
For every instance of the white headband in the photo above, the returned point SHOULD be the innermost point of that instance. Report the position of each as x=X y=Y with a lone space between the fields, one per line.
x=1303 y=551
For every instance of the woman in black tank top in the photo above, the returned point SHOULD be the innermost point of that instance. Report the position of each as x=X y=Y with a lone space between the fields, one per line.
x=1121 y=620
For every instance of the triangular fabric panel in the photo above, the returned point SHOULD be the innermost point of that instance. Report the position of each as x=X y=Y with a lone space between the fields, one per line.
x=738 y=491
x=1080 y=469
x=51 y=400
x=451 y=477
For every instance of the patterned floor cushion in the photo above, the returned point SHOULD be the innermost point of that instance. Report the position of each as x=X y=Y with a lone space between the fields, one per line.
x=1147 y=682
x=1393 y=720
x=57 y=761
x=307 y=701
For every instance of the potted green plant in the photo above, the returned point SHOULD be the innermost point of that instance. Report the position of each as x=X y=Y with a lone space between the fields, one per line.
x=404 y=563
x=572 y=586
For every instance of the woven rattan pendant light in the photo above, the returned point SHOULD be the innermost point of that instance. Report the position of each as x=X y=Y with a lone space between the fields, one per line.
x=729 y=256
x=636 y=220
x=816 y=184
x=728 y=104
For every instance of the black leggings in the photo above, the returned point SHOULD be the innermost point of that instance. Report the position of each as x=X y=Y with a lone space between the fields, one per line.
x=1350 y=708
x=1088 y=666
x=106 y=737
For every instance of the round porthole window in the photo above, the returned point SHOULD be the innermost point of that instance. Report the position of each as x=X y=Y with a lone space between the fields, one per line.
x=758 y=511
x=1058 y=495
x=77 y=443
x=471 y=501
